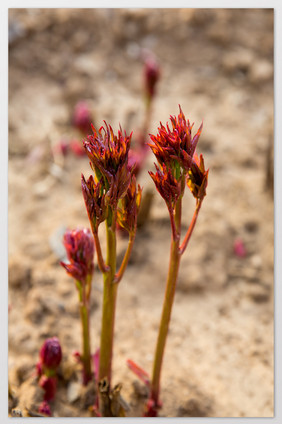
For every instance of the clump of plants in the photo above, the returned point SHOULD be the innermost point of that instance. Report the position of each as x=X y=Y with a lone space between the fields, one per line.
x=179 y=167
x=112 y=198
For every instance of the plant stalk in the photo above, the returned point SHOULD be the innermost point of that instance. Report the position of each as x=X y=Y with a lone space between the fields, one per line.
x=84 y=315
x=108 y=313
x=123 y=266
x=167 y=305
x=191 y=227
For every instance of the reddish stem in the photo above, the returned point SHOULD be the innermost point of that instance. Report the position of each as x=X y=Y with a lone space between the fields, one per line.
x=127 y=254
x=191 y=227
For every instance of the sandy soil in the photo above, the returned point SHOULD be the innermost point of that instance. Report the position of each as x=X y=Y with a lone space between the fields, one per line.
x=218 y=64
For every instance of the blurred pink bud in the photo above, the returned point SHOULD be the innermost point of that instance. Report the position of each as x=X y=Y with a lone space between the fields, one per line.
x=239 y=248
x=51 y=353
x=39 y=369
x=62 y=147
x=77 y=356
x=77 y=148
x=44 y=408
x=82 y=117
x=152 y=75
x=136 y=159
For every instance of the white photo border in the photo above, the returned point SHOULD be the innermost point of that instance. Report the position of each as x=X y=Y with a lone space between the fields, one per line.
x=277 y=5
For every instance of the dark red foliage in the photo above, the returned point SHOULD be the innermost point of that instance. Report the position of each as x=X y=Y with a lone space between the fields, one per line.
x=49 y=385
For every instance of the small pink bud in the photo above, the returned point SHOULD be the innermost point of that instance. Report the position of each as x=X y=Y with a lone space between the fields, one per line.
x=51 y=353
x=62 y=147
x=136 y=159
x=77 y=356
x=82 y=117
x=152 y=75
x=239 y=248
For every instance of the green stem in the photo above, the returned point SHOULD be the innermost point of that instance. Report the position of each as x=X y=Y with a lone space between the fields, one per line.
x=84 y=315
x=147 y=117
x=167 y=305
x=109 y=306
x=101 y=263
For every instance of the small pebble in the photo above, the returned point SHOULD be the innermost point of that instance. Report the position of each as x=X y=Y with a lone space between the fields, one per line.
x=73 y=391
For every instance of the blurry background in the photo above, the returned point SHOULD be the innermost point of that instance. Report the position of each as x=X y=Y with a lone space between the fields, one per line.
x=218 y=65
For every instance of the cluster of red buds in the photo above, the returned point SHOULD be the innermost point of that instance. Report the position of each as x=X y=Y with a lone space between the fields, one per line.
x=50 y=356
x=113 y=185
x=79 y=245
x=175 y=151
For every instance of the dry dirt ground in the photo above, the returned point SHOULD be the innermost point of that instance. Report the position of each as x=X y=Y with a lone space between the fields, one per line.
x=218 y=65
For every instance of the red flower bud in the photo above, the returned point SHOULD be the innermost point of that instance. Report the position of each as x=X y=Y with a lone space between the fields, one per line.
x=108 y=156
x=50 y=354
x=197 y=179
x=128 y=207
x=106 y=151
x=79 y=245
x=167 y=185
x=95 y=201
x=175 y=146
